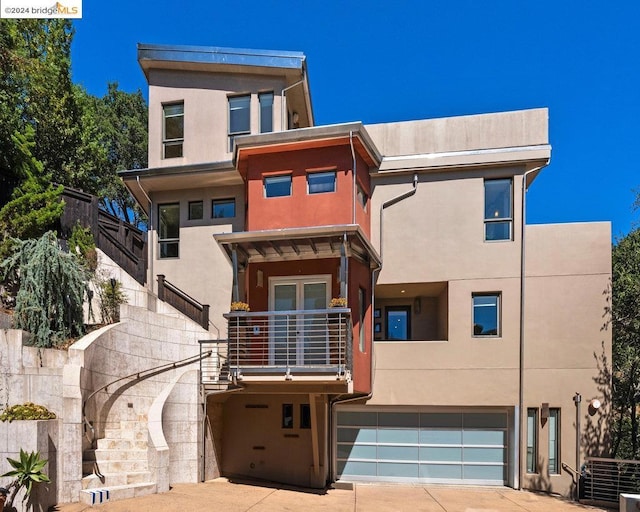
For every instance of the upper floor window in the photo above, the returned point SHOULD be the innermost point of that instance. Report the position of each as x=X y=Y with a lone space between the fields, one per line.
x=173 y=130
x=266 y=111
x=498 y=216
x=277 y=186
x=195 y=210
x=319 y=182
x=398 y=320
x=169 y=230
x=486 y=314
x=362 y=197
x=223 y=208
x=239 y=117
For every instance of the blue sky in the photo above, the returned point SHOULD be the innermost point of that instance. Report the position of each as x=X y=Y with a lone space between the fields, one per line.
x=385 y=61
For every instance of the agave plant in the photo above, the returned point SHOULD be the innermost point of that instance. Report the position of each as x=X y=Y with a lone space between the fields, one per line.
x=27 y=471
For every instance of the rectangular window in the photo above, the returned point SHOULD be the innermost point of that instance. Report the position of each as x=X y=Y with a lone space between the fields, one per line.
x=532 y=440
x=169 y=230
x=173 y=130
x=319 y=182
x=277 y=186
x=554 y=441
x=486 y=314
x=305 y=416
x=498 y=216
x=266 y=112
x=223 y=208
x=195 y=210
x=239 y=117
x=398 y=322
x=287 y=415
x=362 y=197
x=362 y=301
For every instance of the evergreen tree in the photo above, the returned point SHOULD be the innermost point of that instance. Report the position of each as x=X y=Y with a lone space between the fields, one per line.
x=51 y=290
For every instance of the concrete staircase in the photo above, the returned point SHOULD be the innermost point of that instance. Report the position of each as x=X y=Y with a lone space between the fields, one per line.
x=118 y=468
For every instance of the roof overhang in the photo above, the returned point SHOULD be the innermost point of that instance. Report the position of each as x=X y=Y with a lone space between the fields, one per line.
x=307 y=138
x=144 y=182
x=290 y=244
x=213 y=59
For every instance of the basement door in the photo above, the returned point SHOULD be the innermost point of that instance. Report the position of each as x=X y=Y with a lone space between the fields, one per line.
x=437 y=447
x=299 y=338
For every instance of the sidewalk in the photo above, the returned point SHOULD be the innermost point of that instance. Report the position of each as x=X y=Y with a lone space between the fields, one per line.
x=227 y=496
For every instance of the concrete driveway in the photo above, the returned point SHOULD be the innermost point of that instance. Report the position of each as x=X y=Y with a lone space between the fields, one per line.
x=227 y=496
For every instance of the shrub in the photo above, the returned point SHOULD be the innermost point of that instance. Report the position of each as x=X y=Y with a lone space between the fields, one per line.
x=27 y=411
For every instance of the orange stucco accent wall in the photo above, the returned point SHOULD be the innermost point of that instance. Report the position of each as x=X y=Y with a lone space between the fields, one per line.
x=302 y=209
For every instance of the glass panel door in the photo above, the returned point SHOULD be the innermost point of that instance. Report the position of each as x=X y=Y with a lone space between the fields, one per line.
x=314 y=333
x=284 y=340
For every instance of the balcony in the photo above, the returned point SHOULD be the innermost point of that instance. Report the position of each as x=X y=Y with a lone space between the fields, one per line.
x=300 y=345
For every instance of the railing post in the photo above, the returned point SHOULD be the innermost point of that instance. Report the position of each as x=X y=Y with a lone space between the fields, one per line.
x=205 y=317
x=161 y=287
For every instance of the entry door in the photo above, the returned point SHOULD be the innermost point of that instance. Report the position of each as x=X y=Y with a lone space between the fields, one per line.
x=299 y=339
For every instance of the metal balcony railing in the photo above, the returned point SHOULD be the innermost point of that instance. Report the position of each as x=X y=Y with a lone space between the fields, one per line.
x=603 y=480
x=292 y=342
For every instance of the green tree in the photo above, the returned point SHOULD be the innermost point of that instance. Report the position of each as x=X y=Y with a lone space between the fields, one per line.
x=626 y=345
x=51 y=290
x=35 y=204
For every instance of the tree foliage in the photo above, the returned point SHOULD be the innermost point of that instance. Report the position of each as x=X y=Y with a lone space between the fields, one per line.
x=626 y=345
x=51 y=290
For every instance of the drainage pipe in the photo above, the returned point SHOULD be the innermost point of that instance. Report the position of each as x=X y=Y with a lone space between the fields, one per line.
x=521 y=422
x=149 y=235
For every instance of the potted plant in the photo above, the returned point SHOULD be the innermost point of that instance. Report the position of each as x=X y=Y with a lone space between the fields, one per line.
x=338 y=302
x=240 y=306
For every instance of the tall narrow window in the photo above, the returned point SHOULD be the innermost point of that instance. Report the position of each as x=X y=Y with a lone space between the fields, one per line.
x=362 y=302
x=287 y=415
x=532 y=440
x=169 y=230
x=239 y=117
x=486 y=314
x=498 y=216
x=554 y=441
x=173 y=130
x=266 y=111
x=305 y=416
x=398 y=322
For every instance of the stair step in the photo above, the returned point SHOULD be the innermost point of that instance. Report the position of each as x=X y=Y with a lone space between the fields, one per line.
x=134 y=434
x=116 y=492
x=114 y=466
x=94 y=481
x=121 y=444
x=102 y=455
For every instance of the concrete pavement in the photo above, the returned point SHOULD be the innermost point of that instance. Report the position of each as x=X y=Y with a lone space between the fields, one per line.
x=222 y=494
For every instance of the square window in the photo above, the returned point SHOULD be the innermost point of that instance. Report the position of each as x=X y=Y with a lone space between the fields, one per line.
x=486 y=314
x=398 y=320
x=169 y=230
x=287 y=415
x=173 y=130
x=223 y=208
x=319 y=182
x=498 y=216
x=277 y=186
x=266 y=111
x=195 y=210
x=305 y=416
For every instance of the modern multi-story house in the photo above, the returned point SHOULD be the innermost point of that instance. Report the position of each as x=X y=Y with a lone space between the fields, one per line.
x=460 y=338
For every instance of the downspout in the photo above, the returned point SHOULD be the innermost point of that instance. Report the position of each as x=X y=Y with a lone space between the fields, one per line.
x=522 y=433
x=353 y=171
x=391 y=202
x=149 y=235
x=283 y=103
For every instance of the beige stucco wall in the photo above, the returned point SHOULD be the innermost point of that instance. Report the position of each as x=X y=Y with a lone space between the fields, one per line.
x=462 y=133
x=205 y=111
x=202 y=270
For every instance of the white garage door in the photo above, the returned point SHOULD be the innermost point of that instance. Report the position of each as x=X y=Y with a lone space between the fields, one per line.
x=445 y=447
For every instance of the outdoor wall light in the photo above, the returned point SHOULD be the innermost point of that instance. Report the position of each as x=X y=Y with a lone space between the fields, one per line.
x=594 y=405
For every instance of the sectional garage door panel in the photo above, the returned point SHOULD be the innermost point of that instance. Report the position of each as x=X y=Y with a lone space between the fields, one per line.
x=459 y=447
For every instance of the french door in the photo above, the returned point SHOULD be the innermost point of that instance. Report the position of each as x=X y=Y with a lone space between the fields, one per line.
x=298 y=338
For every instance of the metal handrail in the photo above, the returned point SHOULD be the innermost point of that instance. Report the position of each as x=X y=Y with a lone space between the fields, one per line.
x=138 y=375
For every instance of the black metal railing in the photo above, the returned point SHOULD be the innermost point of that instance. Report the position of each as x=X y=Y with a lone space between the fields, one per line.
x=184 y=303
